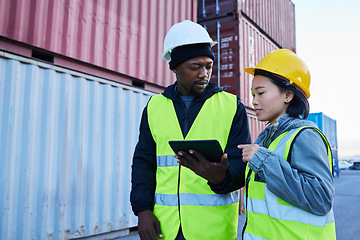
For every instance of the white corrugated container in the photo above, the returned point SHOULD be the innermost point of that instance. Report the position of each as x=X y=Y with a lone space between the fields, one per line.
x=66 y=146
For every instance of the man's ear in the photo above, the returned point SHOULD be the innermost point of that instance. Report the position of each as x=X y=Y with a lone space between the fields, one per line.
x=289 y=95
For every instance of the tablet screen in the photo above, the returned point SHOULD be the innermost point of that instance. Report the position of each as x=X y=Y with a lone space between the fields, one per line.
x=210 y=149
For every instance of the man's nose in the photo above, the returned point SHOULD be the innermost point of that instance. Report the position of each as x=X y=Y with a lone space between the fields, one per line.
x=203 y=72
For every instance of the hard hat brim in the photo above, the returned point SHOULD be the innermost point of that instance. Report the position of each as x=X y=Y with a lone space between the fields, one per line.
x=250 y=70
x=291 y=81
x=167 y=54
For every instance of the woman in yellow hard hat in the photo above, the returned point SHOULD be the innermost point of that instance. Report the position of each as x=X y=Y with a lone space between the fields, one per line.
x=289 y=190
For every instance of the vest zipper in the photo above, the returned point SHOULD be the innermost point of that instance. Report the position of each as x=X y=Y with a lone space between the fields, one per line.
x=248 y=177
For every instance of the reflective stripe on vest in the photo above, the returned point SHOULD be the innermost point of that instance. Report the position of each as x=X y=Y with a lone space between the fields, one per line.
x=279 y=219
x=210 y=200
x=203 y=213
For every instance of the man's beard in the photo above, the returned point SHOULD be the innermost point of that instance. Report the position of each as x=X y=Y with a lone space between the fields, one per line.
x=195 y=93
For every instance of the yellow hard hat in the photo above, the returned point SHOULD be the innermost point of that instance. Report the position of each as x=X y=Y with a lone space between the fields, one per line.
x=285 y=63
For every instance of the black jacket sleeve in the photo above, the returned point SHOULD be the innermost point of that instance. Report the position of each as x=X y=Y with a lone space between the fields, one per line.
x=239 y=134
x=143 y=176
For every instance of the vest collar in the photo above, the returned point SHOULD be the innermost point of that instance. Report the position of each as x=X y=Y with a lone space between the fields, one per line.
x=171 y=92
x=283 y=124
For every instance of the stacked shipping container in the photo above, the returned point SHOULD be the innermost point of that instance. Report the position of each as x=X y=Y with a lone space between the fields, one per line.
x=275 y=19
x=246 y=31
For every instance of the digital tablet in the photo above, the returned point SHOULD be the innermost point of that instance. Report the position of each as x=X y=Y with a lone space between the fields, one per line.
x=210 y=149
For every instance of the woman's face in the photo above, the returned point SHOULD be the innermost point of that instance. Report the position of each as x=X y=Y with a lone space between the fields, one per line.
x=268 y=101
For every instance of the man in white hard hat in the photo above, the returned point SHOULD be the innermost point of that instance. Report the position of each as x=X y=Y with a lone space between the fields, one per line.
x=185 y=196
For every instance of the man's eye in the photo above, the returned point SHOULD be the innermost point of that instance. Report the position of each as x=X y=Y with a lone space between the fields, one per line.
x=194 y=68
x=209 y=67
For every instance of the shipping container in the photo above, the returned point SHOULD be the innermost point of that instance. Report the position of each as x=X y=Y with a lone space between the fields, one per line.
x=121 y=36
x=211 y=9
x=275 y=18
x=66 y=144
x=328 y=126
x=240 y=45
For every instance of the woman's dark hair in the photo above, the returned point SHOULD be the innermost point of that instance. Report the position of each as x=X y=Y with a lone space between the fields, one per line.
x=299 y=105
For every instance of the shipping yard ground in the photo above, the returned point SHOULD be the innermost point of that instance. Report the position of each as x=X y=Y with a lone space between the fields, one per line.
x=346 y=207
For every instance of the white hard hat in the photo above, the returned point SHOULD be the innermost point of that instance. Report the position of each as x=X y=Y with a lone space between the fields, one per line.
x=185 y=33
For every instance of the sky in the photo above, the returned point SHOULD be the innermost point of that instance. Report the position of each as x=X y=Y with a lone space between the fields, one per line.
x=328 y=40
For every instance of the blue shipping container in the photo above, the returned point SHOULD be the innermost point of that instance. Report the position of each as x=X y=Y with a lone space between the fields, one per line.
x=66 y=145
x=328 y=126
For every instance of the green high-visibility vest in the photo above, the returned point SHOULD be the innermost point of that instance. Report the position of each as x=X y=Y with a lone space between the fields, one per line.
x=269 y=217
x=181 y=196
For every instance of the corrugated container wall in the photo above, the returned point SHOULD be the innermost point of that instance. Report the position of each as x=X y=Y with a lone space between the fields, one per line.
x=66 y=145
x=275 y=18
x=241 y=45
x=328 y=126
x=246 y=31
x=125 y=36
